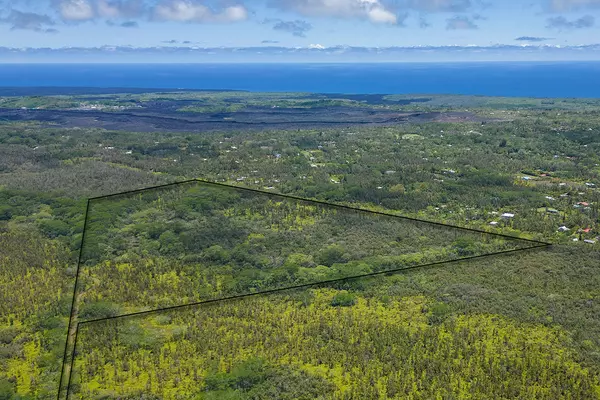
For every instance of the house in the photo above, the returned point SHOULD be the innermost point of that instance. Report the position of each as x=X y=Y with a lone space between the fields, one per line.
x=586 y=230
x=507 y=215
x=494 y=223
x=550 y=198
x=583 y=203
x=590 y=241
x=553 y=211
x=563 y=229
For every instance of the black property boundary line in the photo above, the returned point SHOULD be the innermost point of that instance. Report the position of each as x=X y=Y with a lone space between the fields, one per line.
x=321 y=202
x=62 y=370
x=308 y=285
x=272 y=291
x=537 y=244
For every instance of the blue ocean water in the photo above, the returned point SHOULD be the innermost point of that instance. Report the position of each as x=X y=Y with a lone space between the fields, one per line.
x=531 y=79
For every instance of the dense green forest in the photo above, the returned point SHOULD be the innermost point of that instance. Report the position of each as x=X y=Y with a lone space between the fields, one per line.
x=363 y=347
x=196 y=241
x=520 y=325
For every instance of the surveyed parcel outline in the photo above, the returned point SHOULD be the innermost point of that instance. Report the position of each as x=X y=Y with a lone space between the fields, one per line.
x=73 y=326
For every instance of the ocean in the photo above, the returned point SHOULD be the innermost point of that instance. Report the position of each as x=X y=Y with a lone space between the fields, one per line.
x=514 y=79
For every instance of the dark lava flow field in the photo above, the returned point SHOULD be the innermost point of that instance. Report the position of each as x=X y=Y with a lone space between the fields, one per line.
x=162 y=116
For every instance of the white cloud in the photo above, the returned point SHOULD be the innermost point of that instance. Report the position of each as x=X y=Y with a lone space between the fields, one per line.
x=192 y=11
x=76 y=10
x=84 y=10
x=316 y=46
x=382 y=16
x=108 y=10
x=460 y=22
x=438 y=5
x=119 y=8
x=234 y=13
x=561 y=23
x=569 y=5
x=29 y=21
x=371 y=10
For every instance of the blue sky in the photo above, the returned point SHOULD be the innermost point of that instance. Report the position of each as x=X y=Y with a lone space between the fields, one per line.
x=296 y=23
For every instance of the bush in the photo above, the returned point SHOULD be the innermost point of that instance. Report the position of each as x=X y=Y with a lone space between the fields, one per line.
x=242 y=376
x=343 y=299
x=7 y=335
x=296 y=260
x=217 y=254
x=465 y=246
x=135 y=396
x=98 y=310
x=438 y=313
x=6 y=390
x=170 y=244
x=331 y=255
x=5 y=213
x=54 y=228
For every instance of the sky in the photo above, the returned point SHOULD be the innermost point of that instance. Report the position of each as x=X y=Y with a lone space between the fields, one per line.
x=152 y=26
